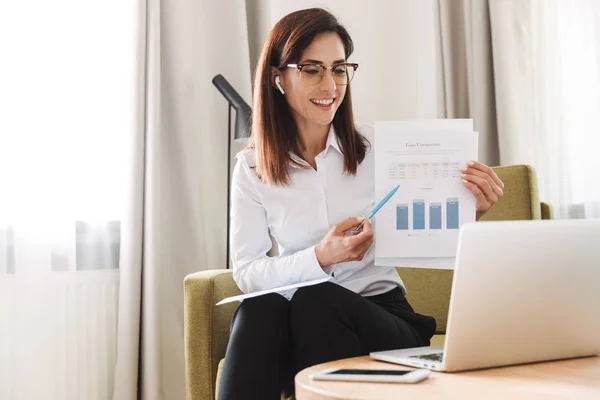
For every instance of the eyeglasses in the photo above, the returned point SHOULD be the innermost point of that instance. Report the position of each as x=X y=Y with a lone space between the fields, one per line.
x=312 y=74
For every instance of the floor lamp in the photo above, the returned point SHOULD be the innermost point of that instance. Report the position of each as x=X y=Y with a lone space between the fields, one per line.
x=241 y=132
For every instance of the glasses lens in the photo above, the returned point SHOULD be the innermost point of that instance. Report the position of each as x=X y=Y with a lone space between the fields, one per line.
x=342 y=74
x=312 y=74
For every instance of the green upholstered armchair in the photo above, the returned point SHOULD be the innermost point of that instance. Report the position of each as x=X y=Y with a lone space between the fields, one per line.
x=207 y=326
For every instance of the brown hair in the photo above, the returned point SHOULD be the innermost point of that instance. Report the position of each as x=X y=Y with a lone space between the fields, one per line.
x=274 y=130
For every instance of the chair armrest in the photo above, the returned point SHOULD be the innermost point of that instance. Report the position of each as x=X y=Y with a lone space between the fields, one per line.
x=547 y=211
x=206 y=328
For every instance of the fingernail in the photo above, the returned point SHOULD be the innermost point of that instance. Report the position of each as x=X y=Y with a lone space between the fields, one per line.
x=463 y=175
x=470 y=163
x=464 y=169
x=464 y=181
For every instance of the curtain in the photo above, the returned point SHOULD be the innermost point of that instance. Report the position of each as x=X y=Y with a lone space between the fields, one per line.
x=466 y=70
x=113 y=186
x=547 y=74
x=177 y=223
x=65 y=137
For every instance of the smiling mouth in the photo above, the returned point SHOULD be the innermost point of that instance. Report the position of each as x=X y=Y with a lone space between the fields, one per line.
x=323 y=102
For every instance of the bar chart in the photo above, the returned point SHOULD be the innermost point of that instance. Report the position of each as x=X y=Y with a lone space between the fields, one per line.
x=429 y=215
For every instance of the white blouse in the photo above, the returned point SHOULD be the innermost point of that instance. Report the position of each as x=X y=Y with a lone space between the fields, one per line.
x=298 y=216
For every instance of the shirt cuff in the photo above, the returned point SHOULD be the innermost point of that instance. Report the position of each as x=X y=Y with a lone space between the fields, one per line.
x=310 y=266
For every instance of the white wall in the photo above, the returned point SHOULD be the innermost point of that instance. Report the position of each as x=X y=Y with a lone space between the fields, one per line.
x=395 y=45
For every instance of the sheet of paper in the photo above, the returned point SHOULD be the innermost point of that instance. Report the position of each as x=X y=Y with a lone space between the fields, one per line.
x=289 y=290
x=419 y=226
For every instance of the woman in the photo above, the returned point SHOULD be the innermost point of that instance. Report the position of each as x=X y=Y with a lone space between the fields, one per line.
x=306 y=173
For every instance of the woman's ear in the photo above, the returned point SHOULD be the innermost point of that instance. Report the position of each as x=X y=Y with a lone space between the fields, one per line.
x=278 y=84
x=276 y=79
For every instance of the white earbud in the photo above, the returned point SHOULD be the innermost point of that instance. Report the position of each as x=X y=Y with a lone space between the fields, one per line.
x=278 y=84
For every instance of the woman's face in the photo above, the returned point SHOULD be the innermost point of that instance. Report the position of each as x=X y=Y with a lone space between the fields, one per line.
x=315 y=104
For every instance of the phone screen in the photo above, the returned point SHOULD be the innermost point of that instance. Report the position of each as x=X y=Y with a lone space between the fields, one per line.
x=368 y=372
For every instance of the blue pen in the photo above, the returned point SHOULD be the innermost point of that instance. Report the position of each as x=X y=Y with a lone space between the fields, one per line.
x=378 y=206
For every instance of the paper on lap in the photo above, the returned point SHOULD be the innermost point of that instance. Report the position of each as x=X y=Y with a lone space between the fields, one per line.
x=274 y=290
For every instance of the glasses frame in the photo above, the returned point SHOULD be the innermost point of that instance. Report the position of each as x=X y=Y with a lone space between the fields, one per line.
x=325 y=68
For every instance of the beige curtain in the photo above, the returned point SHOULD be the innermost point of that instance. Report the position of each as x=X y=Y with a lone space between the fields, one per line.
x=547 y=63
x=466 y=70
x=177 y=223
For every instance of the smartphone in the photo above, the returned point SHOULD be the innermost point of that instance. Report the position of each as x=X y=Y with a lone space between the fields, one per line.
x=372 y=375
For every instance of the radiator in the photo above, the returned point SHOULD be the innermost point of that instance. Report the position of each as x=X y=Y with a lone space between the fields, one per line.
x=58 y=335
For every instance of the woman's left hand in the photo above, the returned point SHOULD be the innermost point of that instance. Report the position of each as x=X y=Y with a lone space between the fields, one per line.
x=485 y=185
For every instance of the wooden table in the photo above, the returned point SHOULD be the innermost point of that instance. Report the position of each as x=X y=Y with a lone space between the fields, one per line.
x=567 y=379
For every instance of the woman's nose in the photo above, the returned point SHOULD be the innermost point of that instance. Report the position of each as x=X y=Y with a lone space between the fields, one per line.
x=328 y=83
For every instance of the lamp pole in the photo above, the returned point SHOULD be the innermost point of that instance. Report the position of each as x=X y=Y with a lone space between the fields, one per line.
x=228 y=181
x=241 y=131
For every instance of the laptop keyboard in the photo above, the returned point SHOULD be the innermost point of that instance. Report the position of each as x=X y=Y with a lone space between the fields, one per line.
x=430 y=357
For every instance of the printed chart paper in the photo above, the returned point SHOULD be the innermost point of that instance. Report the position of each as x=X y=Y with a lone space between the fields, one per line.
x=419 y=226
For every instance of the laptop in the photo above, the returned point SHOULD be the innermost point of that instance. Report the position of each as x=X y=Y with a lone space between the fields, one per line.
x=523 y=292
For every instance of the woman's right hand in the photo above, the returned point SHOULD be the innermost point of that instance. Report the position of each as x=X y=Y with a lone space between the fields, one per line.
x=336 y=246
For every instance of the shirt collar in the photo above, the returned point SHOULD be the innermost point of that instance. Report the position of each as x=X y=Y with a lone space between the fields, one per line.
x=332 y=141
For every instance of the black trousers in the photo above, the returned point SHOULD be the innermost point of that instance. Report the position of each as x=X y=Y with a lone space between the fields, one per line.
x=272 y=338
